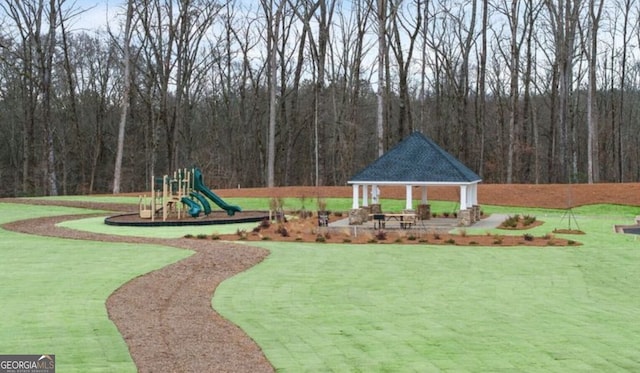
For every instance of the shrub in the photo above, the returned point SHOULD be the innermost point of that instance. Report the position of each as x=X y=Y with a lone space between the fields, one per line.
x=463 y=232
x=571 y=242
x=215 y=236
x=436 y=236
x=381 y=235
x=346 y=240
x=398 y=240
x=266 y=238
x=201 y=236
x=527 y=237
x=473 y=242
x=303 y=214
x=450 y=241
x=282 y=230
x=265 y=223
x=411 y=237
x=497 y=240
x=320 y=238
x=510 y=222
x=188 y=235
x=527 y=220
x=445 y=214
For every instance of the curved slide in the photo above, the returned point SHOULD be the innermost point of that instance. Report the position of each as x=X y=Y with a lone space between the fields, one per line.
x=203 y=202
x=194 y=207
x=198 y=185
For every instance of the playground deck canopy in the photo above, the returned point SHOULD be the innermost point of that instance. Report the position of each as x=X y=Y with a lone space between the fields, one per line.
x=416 y=161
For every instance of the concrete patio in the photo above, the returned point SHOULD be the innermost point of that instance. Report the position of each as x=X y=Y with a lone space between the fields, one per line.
x=433 y=224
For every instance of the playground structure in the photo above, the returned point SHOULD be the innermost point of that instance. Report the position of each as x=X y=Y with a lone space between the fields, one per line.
x=183 y=194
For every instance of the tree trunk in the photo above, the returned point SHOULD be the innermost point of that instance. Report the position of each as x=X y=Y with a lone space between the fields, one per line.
x=124 y=105
x=382 y=52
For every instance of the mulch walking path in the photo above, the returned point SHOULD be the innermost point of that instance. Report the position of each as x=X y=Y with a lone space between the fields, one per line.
x=166 y=317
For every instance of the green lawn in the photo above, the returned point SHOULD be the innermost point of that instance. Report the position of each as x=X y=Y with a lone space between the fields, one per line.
x=445 y=308
x=54 y=291
x=348 y=308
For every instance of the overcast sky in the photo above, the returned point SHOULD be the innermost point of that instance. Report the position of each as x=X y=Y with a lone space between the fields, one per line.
x=97 y=13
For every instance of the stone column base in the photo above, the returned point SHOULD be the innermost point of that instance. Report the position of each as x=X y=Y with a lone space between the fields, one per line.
x=477 y=213
x=424 y=212
x=358 y=216
x=464 y=218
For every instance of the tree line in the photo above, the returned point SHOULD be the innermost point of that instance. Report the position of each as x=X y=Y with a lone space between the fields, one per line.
x=307 y=92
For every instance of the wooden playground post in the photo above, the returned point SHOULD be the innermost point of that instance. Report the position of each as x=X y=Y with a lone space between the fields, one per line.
x=165 y=202
x=153 y=199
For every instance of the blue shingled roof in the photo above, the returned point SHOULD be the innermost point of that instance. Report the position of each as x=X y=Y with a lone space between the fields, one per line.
x=416 y=159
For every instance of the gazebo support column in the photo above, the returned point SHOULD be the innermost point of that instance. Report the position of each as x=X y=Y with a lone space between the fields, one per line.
x=355 y=196
x=408 y=205
x=463 y=197
x=365 y=195
x=465 y=215
x=376 y=208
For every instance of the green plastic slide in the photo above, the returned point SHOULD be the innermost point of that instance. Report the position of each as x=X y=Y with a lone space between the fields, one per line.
x=198 y=185
x=194 y=207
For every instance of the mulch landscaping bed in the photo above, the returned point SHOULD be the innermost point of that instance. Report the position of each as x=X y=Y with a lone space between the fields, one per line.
x=166 y=317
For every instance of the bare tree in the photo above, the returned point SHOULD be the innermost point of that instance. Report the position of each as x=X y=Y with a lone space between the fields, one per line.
x=512 y=12
x=381 y=17
x=628 y=26
x=126 y=92
x=564 y=18
x=173 y=40
x=592 y=107
x=39 y=48
x=481 y=106
x=531 y=141
x=274 y=17
x=401 y=24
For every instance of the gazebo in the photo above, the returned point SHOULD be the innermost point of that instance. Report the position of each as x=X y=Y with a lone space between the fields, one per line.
x=415 y=161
